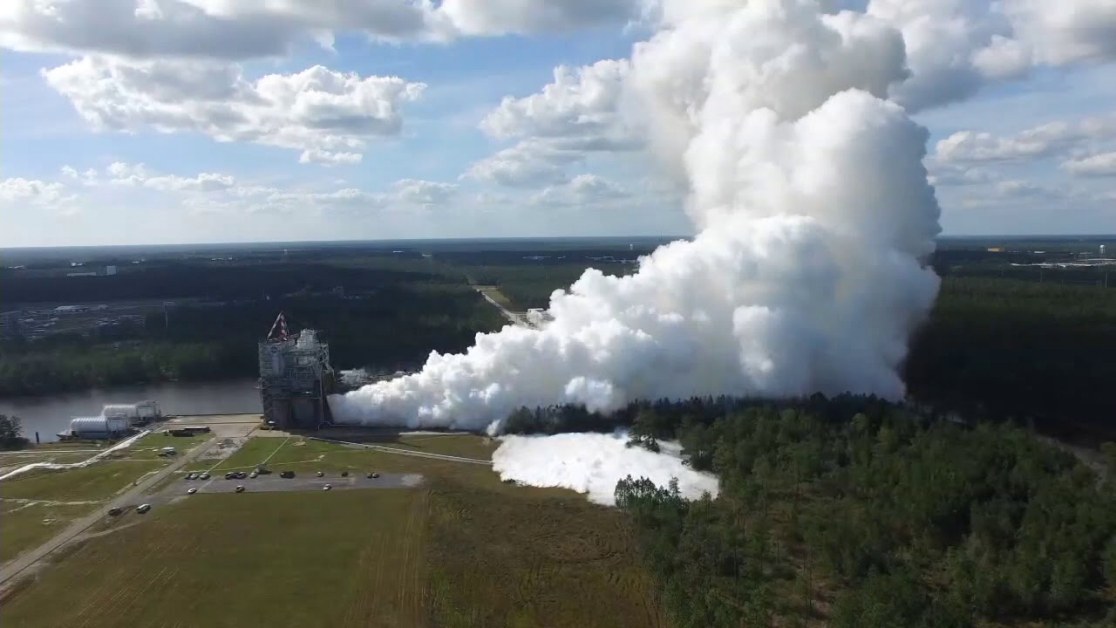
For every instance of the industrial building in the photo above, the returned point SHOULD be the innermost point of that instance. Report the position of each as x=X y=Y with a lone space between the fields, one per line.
x=295 y=378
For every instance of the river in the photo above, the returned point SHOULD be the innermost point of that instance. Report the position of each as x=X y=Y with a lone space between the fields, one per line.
x=52 y=414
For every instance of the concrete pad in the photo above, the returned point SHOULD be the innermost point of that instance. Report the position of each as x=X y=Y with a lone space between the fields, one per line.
x=301 y=482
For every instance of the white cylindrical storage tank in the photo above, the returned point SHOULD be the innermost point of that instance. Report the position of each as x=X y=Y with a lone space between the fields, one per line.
x=121 y=410
x=98 y=426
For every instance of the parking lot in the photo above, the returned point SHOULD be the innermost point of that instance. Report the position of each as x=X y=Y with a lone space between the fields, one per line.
x=301 y=482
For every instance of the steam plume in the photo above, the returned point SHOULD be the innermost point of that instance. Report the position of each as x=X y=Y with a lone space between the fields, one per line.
x=813 y=214
x=594 y=463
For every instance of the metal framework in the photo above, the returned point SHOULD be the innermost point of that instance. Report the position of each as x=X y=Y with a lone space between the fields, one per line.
x=295 y=378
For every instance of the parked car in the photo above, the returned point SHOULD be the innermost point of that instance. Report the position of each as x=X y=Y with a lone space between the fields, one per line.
x=286 y=474
x=142 y=508
x=253 y=475
x=115 y=511
x=240 y=475
x=239 y=488
x=191 y=476
x=204 y=476
x=375 y=475
x=344 y=474
x=191 y=491
x=230 y=475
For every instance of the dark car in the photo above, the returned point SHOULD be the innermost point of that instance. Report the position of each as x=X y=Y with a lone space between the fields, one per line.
x=344 y=474
x=375 y=475
x=286 y=474
x=115 y=511
x=240 y=488
x=230 y=476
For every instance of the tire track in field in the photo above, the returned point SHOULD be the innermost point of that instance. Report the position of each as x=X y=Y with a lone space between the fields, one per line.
x=165 y=576
x=115 y=595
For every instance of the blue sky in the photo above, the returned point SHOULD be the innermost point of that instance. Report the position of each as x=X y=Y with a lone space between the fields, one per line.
x=118 y=133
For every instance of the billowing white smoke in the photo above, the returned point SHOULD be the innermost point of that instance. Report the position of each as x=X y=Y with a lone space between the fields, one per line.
x=813 y=211
x=594 y=463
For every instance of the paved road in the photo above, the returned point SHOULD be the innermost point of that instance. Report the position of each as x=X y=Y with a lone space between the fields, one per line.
x=406 y=452
x=513 y=317
x=21 y=563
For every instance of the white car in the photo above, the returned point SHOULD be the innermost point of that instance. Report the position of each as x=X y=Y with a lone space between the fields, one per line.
x=327 y=487
x=142 y=508
x=253 y=474
x=320 y=474
x=192 y=490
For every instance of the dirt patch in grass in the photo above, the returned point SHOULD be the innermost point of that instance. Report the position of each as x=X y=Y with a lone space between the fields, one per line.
x=527 y=558
x=24 y=525
x=148 y=447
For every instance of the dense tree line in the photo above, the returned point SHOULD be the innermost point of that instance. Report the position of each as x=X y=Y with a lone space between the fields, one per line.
x=856 y=512
x=210 y=280
x=1028 y=352
x=372 y=317
x=11 y=433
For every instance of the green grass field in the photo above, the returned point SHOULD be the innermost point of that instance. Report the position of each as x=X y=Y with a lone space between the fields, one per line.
x=27 y=524
x=464 y=549
x=39 y=504
x=98 y=481
x=239 y=560
x=465 y=445
x=31 y=456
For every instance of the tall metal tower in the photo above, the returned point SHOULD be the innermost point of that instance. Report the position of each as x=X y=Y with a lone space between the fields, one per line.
x=295 y=377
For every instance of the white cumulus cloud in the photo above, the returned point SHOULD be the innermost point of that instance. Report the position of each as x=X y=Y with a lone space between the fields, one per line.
x=243 y=29
x=584 y=189
x=528 y=164
x=423 y=193
x=581 y=102
x=121 y=173
x=18 y=191
x=329 y=116
x=1045 y=140
x=1099 y=165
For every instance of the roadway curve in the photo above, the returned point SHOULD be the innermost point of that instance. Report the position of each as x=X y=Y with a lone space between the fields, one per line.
x=514 y=318
x=24 y=561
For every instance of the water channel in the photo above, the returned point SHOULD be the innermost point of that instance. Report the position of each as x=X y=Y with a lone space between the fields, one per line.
x=51 y=414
